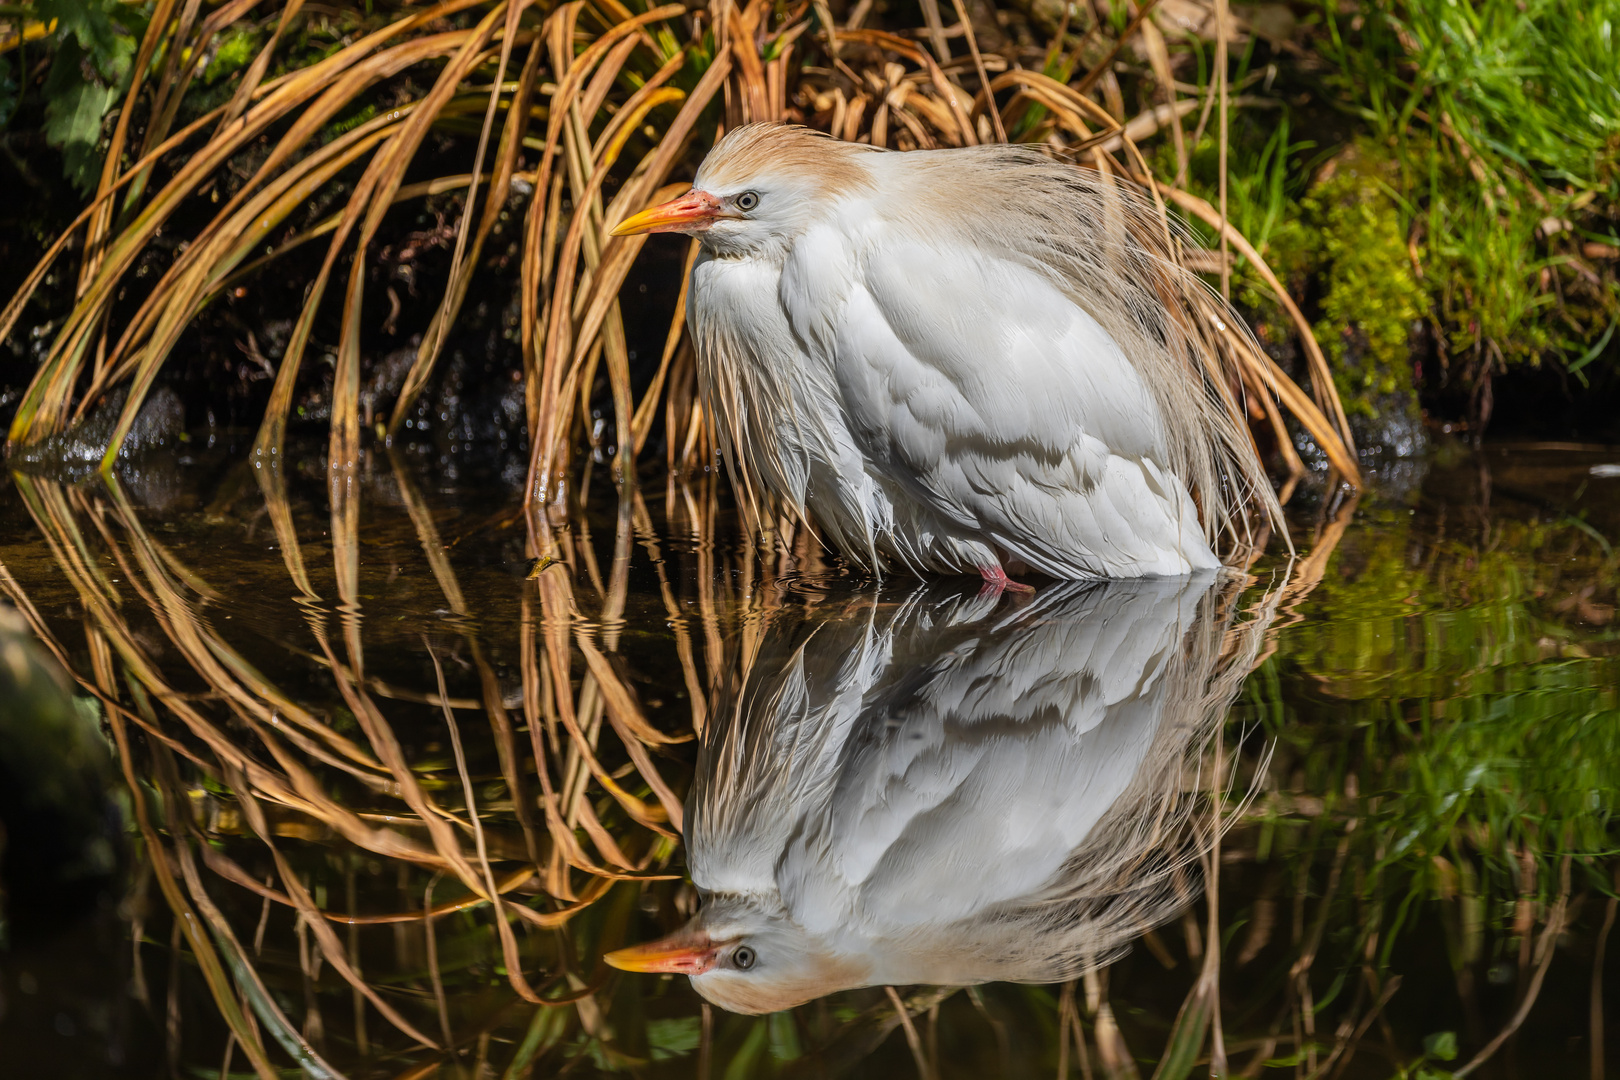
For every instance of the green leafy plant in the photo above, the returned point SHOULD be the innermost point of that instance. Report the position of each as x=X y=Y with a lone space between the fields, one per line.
x=1504 y=117
x=95 y=47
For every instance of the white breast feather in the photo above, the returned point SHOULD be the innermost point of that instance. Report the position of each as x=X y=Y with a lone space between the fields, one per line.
x=778 y=419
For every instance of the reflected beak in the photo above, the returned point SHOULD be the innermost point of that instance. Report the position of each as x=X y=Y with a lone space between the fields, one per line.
x=685 y=952
x=691 y=213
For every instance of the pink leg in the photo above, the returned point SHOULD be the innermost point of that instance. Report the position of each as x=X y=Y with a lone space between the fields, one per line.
x=996 y=581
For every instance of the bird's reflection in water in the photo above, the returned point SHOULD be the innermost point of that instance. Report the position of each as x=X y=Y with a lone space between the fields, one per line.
x=951 y=790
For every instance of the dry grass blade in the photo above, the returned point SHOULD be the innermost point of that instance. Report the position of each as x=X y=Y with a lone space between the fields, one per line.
x=608 y=261
x=189 y=924
x=95 y=233
x=376 y=192
x=1545 y=947
x=180 y=67
x=1103 y=66
x=1057 y=96
x=647 y=411
x=509 y=951
x=331 y=947
x=1327 y=397
x=230 y=871
x=965 y=134
x=604 y=87
x=247 y=977
x=1159 y=56
x=88 y=531
x=1262 y=367
x=45 y=407
x=203 y=269
x=568 y=340
x=249 y=83
x=513 y=130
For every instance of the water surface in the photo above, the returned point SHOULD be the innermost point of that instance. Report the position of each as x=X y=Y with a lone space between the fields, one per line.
x=1352 y=811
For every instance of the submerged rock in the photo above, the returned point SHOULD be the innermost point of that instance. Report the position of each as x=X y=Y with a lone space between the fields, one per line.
x=383 y=382
x=473 y=420
x=62 y=827
x=161 y=422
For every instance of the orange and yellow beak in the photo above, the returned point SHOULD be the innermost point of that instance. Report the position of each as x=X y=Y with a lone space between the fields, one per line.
x=691 y=213
x=685 y=952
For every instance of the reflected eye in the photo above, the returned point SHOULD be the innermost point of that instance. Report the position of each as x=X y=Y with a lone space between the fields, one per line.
x=747 y=201
x=744 y=957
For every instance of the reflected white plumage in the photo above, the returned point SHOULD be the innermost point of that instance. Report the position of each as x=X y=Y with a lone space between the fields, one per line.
x=941 y=792
x=959 y=361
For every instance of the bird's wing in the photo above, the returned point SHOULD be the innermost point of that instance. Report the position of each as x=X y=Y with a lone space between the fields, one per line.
x=974 y=384
x=975 y=770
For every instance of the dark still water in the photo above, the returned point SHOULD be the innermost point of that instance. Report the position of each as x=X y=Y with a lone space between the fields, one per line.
x=1351 y=815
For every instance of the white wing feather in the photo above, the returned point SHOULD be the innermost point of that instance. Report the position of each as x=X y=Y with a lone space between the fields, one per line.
x=1018 y=422
x=970 y=777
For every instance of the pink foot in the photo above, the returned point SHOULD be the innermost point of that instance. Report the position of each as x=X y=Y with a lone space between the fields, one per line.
x=996 y=581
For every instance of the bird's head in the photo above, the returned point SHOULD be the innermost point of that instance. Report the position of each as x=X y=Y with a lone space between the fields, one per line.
x=746 y=959
x=758 y=189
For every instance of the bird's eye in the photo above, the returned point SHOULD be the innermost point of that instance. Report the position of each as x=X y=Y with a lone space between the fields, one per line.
x=744 y=957
x=747 y=200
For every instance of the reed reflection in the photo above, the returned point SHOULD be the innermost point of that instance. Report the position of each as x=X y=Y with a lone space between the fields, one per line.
x=951 y=790
x=368 y=757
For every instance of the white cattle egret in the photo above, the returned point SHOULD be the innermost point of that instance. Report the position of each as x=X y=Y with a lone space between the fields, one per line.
x=940 y=792
x=960 y=361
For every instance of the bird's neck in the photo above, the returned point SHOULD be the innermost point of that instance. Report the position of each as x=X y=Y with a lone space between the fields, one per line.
x=773 y=253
